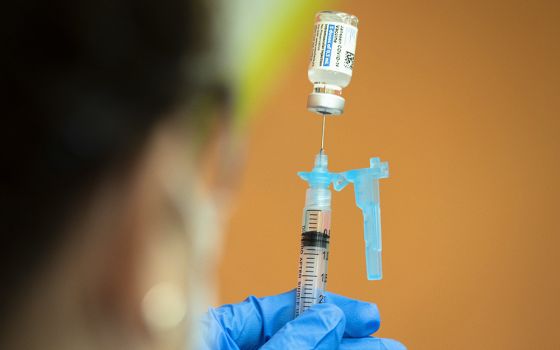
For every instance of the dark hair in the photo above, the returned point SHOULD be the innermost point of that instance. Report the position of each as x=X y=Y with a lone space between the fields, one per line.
x=85 y=81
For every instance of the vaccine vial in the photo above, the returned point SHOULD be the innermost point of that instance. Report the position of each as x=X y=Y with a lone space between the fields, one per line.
x=332 y=59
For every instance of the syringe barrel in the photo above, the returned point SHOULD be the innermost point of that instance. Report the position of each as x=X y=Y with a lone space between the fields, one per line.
x=314 y=252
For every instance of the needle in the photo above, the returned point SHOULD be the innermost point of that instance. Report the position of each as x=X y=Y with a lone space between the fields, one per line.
x=323 y=134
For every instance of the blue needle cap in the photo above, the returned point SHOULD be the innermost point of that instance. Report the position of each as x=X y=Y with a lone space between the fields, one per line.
x=366 y=190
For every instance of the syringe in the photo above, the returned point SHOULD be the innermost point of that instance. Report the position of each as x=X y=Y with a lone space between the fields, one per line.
x=315 y=235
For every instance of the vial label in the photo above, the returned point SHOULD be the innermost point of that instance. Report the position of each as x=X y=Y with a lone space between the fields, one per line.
x=334 y=47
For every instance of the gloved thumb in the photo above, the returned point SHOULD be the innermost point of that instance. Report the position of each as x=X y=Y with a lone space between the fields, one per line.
x=320 y=327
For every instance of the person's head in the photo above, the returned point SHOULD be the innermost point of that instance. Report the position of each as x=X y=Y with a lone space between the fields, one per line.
x=106 y=224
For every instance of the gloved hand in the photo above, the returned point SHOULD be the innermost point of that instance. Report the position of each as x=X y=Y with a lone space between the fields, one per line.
x=267 y=323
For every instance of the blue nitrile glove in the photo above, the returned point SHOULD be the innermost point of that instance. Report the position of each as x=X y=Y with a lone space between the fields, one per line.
x=267 y=323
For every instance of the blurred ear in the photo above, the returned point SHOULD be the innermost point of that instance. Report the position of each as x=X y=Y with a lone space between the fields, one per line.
x=118 y=286
x=146 y=245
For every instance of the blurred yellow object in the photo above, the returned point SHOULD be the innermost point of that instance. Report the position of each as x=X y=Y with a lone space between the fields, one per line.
x=260 y=37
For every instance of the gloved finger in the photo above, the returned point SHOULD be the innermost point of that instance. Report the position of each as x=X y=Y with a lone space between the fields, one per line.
x=254 y=321
x=362 y=318
x=370 y=343
x=320 y=327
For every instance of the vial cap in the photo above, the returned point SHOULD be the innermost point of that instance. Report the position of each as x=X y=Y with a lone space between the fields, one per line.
x=325 y=103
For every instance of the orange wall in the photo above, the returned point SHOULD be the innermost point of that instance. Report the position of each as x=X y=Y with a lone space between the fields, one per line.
x=462 y=98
